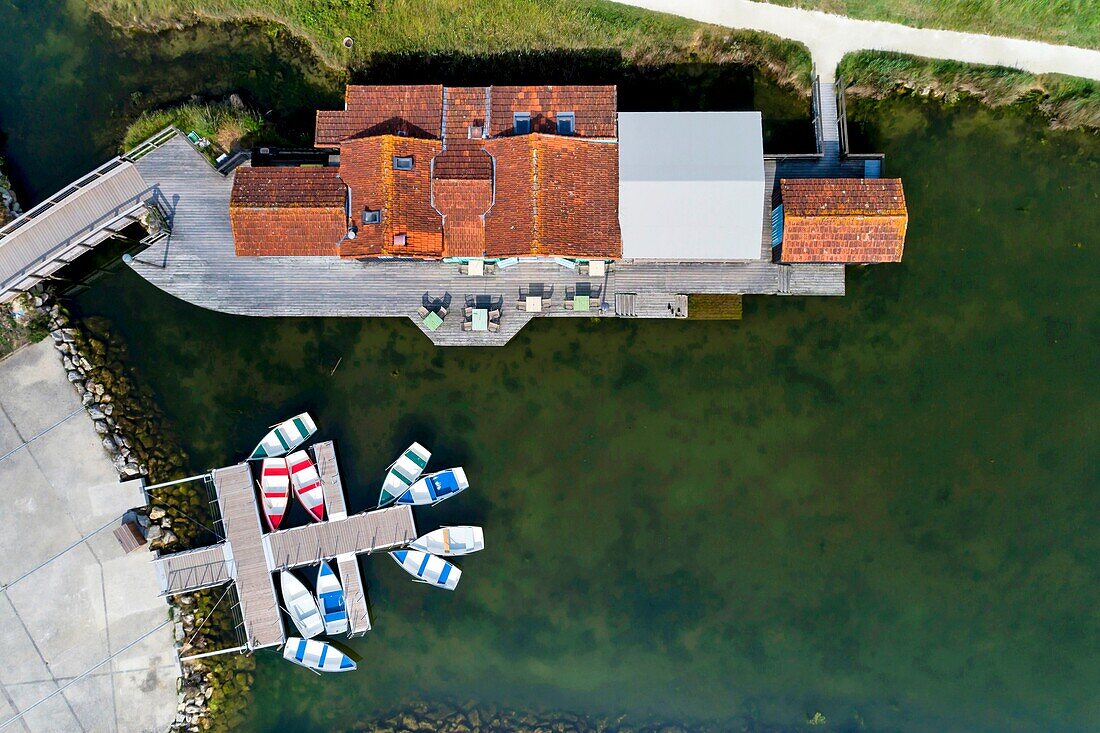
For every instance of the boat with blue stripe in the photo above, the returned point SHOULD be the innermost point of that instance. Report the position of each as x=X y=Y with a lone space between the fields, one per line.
x=330 y=598
x=319 y=656
x=427 y=568
x=435 y=487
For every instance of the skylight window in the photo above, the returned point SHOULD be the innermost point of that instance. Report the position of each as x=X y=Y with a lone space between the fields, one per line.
x=400 y=240
x=372 y=216
x=521 y=123
x=402 y=163
x=567 y=123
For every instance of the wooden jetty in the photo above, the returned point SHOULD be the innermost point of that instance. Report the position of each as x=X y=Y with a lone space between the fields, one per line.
x=248 y=557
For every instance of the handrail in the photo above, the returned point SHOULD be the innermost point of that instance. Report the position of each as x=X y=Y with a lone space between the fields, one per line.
x=150 y=144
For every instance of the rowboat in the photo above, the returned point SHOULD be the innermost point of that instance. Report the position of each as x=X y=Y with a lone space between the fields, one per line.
x=435 y=487
x=428 y=568
x=403 y=472
x=307 y=484
x=301 y=605
x=274 y=490
x=285 y=437
x=451 y=541
x=330 y=598
x=317 y=655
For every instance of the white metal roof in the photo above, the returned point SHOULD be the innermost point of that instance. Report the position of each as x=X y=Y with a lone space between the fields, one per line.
x=691 y=185
x=67 y=218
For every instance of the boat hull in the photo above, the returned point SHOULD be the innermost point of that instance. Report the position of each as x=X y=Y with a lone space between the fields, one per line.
x=451 y=541
x=331 y=601
x=274 y=491
x=427 y=568
x=301 y=605
x=319 y=656
x=285 y=437
x=435 y=487
x=307 y=484
x=403 y=473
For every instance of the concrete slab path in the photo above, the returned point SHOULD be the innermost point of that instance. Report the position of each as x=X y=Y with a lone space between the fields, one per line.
x=829 y=37
x=83 y=599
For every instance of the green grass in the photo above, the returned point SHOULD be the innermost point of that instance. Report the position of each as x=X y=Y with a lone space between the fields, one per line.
x=227 y=126
x=485 y=26
x=1072 y=22
x=1068 y=101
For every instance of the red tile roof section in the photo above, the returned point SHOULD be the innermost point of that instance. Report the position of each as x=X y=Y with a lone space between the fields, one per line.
x=403 y=197
x=462 y=203
x=415 y=110
x=287 y=211
x=555 y=196
x=595 y=108
x=843 y=220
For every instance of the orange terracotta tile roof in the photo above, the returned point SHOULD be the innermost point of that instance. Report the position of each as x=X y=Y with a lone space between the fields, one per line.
x=555 y=196
x=287 y=211
x=594 y=107
x=843 y=220
x=402 y=197
x=415 y=110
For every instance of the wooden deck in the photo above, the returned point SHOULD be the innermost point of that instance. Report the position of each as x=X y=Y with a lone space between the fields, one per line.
x=324 y=456
x=197 y=263
x=185 y=572
x=263 y=621
x=382 y=529
x=355 y=596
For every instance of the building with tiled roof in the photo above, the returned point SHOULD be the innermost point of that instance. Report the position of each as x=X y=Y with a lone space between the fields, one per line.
x=436 y=172
x=842 y=220
x=288 y=211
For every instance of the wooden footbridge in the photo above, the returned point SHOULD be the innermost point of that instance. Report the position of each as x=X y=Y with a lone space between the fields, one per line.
x=248 y=557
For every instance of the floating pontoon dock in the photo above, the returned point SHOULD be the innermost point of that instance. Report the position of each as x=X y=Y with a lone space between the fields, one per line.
x=248 y=557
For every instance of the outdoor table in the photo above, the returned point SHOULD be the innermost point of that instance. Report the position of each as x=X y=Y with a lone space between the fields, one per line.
x=477 y=267
x=480 y=319
x=581 y=303
x=533 y=304
x=596 y=268
x=433 y=321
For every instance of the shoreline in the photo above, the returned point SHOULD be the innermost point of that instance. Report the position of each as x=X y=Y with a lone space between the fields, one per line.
x=136 y=436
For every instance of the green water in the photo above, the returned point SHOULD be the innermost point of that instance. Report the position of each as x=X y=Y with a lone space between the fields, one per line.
x=881 y=507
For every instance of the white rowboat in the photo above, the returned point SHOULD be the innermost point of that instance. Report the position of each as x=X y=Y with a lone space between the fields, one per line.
x=451 y=541
x=435 y=487
x=403 y=472
x=274 y=490
x=301 y=605
x=427 y=568
x=307 y=484
x=317 y=655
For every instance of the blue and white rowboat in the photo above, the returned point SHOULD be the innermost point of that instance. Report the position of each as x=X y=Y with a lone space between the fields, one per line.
x=403 y=472
x=285 y=437
x=317 y=655
x=330 y=597
x=435 y=487
x=451 y=541
x=428 y=568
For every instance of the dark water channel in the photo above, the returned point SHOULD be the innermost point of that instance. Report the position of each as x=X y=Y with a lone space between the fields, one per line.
x=881 y=507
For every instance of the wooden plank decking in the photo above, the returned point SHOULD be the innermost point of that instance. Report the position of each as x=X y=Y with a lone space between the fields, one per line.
x=355 y=596
x=382 y=529
x=197 y=263
x=263 y=622
x=324 y=455
x=184 y=572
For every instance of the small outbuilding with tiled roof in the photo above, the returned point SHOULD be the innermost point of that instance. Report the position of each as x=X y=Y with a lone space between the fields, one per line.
x=842 y=220
x=288 y=211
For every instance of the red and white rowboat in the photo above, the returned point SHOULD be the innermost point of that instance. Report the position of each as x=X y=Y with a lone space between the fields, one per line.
x=307 y=484
x=274 y=490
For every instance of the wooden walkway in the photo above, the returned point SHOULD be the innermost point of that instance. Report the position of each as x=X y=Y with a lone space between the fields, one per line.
x=324 y=456
x=382 y=529
x=197 y=263
x=263 y=621
x=185 y=572
x=355 y=596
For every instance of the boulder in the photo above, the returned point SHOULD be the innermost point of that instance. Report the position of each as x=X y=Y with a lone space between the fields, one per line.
x=101 y=427
x=157 y=512
x=154 y=532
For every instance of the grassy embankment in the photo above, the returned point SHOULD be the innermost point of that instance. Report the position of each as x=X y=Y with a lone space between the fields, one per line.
x=1071 y=22
x=1067 y=101
x=226 y=125
x=487 y=26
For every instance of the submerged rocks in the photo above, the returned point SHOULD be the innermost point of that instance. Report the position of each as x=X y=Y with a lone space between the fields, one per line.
x=444 y=718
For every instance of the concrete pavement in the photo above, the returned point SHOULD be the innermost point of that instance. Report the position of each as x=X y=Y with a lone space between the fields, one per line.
x=829 y=37
x=83 y=599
